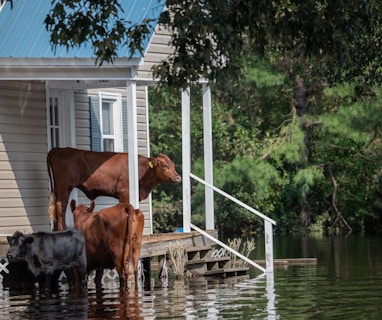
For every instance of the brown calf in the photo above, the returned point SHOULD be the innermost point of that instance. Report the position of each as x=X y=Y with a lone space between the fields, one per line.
x=113 y=238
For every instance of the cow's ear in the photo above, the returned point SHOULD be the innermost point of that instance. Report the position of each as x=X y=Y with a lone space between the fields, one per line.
x=72 y=205
x=152 y=162
x=9 y=239
x=91 y=208
x=162 y=162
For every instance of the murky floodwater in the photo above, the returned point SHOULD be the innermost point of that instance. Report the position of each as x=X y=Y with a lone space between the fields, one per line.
x=346 y=283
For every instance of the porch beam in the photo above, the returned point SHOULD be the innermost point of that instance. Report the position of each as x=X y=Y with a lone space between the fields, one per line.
x=208 y=157
x=131 y=94
x=186 y=159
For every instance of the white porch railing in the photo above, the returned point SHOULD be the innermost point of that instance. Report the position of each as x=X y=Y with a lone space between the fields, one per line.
x=268 y=230
x=228 y=248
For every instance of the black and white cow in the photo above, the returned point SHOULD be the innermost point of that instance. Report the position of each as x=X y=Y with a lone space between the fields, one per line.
x=48 y=252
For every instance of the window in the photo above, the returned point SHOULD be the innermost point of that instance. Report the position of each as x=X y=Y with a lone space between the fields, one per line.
x=54 y=124
x=111 y=122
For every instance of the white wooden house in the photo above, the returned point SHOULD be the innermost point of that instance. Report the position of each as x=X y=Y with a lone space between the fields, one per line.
x=63 y=98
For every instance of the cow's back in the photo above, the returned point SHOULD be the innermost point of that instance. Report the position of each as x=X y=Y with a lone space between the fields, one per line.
x=75 y=164
x=96 y=252
x=105 y=234
x=114 y=220
x=58 y=249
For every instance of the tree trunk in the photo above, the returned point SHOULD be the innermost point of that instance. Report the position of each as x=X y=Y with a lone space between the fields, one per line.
x=300 y=97
x=339 y=217
x=301 y=94
x=305 y=214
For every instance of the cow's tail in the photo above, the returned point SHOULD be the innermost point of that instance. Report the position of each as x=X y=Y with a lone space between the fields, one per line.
x=129 y=244
x=52 y=207
x=52 y=197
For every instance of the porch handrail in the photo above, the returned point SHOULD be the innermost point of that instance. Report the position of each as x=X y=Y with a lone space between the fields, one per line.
x=261 y=215
x=268 y=232
x=228 y=248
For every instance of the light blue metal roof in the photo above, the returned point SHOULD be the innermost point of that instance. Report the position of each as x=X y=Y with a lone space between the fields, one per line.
x=23 y=33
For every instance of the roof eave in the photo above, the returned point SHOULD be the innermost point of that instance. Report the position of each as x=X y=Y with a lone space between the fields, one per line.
x=66 y=69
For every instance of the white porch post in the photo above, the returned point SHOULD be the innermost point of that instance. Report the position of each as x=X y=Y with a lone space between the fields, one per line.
x=268 y=246
x=133 y=141
x=208 y=158
x=186 y=159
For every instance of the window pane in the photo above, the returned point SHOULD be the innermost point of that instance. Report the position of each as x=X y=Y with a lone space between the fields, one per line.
x=50 y=111
x=108 y=145
x=56 y=112
x=54 y=121
x=53 y=111
x=56 y=138
x=107 y=118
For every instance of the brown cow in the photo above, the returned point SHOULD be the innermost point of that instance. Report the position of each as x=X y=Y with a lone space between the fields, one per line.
x=101 y=174
x=113 y=238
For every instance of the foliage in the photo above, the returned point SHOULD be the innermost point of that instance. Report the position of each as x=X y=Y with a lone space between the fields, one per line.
x=339 y=39
x=268 y=164
x=73 y=23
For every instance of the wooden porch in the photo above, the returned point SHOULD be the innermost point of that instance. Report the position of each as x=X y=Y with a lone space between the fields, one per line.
x=201 y=258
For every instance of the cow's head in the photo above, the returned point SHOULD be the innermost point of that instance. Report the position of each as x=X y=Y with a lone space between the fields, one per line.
x=81 y=208
x=165 y=169
x=18 y=245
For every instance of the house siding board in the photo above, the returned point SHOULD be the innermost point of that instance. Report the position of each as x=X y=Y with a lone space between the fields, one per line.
x=95 y=123
x=19 y=137
x=82 y=120
x=23 y=148
x=157 y=51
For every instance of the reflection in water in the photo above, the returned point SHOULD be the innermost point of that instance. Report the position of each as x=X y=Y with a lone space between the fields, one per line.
x=115 y=304
x=345 y=284
x=197 y=298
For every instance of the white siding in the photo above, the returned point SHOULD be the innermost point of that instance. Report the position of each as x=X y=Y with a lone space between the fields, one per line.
x=158 y=50
x=82 y=120
x=23 y=148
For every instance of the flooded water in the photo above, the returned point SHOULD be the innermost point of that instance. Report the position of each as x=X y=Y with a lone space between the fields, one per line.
x=346 y=283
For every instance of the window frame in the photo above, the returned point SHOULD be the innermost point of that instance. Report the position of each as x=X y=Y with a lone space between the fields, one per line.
x=116 y=102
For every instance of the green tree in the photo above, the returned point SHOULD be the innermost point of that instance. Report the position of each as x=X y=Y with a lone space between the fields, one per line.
x=261 y=154
x=211 y=36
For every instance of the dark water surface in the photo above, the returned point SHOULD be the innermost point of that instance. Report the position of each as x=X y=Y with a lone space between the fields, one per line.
x=346 y=283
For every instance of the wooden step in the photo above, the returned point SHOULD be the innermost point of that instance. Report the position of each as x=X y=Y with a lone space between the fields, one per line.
x=227 y=272
x=198 y=248
x=208 y=260
x=197 y=253
x=191 y=251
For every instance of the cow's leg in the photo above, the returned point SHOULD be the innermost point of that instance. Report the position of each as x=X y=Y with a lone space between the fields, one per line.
x=77 y=278
x=61 y=212
x=121 y=270
x=47 y=282
x=36 y=285
x=98 y=278
x=70 y=275
x=83 y=275
x=122 y=275
x=61 y=205
x=137 y=226
x=58 y=224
